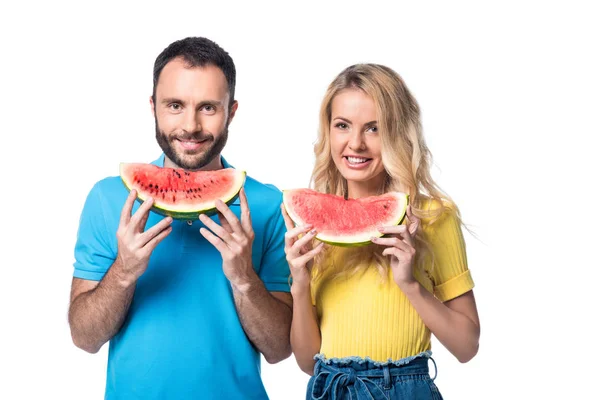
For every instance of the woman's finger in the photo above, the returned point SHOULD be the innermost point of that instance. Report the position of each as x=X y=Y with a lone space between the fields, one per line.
x=303 y=241
x=398 y=230
x=292 y=235
x=399 y=254
x=304 y=259
x=393 y=242
x=289 y=224
x=414 y=222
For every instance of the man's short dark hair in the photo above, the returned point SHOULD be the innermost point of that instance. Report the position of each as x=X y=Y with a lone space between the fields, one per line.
x=197 y=52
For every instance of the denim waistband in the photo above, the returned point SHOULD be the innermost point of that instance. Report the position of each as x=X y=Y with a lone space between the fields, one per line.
x=334 y=376
x=369 y=361
x=364 y=367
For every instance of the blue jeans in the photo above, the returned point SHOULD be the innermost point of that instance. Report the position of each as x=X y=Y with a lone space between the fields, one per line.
x=354 y=378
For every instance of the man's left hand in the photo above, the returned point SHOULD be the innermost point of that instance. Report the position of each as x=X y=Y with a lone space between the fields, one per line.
x=234 y=240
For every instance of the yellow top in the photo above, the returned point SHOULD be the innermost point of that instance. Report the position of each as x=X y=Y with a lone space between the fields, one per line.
x=362 y=316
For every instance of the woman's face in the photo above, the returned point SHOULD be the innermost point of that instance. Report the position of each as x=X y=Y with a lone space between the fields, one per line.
x=355 y=142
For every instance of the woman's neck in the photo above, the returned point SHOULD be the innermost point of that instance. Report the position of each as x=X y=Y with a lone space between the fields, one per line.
x=357 y=190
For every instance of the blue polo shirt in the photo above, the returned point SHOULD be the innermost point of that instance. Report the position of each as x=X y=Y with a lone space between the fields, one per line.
x=182 y=338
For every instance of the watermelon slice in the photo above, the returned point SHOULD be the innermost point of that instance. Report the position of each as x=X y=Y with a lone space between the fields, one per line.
x=179 y=193
x=342 y=222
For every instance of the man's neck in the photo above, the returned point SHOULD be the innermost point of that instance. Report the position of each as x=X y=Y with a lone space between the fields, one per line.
x=213 y=165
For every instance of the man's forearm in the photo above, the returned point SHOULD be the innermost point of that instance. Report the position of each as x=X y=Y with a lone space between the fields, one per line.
x=265 y=319
x=97 y=315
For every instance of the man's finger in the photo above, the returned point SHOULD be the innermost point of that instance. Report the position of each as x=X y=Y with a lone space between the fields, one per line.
x=154 y=231
x=246 y=219
x=127 y=207
x=151 y=245
x=217 y=229
x=143 y=221
x=234 y=223
x=214 y=240
x=139 y=218
x=224 y=223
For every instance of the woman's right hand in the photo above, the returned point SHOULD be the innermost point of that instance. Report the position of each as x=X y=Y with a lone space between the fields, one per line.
x=299 y=252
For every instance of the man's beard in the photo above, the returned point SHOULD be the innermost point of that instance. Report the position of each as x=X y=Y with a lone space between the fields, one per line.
x=199 y=160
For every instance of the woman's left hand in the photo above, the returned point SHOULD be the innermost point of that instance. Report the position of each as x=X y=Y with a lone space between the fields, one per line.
x=401 y=247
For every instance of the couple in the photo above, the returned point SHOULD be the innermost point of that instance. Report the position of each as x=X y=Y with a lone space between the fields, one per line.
x=189 y=306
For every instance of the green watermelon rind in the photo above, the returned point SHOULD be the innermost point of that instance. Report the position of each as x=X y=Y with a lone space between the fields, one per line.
x=192 y=214
x=354 y=243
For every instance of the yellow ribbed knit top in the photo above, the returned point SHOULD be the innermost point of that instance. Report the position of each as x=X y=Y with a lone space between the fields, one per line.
x=362 y=316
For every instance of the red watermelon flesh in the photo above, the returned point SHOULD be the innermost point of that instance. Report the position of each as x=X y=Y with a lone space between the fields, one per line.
x=179 y=193
x=345 y=222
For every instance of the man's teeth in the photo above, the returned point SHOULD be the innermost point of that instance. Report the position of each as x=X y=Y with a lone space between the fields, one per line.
x=356 y=160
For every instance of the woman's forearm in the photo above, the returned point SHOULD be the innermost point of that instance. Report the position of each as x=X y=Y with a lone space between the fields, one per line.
x=305 y=334
x=456 y=330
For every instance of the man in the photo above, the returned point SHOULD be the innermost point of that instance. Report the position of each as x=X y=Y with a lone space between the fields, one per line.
x=186 y=305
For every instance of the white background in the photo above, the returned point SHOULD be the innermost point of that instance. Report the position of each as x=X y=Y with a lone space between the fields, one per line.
x=510 y=93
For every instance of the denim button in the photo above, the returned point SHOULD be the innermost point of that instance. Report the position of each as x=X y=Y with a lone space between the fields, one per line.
x=189 y=222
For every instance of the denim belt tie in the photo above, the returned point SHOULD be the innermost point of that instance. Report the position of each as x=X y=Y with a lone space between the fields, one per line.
x=334 y=383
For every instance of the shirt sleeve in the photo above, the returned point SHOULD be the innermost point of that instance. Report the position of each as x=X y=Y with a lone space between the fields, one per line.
x=274 y=269
x=451 y=274
x=93 y=252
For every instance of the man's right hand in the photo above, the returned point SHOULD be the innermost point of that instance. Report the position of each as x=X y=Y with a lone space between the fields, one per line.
x=135 y=245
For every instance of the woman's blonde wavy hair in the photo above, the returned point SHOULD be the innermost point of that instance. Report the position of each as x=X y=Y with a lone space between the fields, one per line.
x=406 y=159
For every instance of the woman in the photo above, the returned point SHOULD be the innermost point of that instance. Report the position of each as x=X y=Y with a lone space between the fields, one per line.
x=363 y=317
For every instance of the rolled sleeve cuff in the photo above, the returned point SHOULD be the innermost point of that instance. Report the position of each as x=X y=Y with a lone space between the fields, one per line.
x=455 y=287
x=82 y=273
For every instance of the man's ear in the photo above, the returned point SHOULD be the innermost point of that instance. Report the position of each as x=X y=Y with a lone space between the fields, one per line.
x=152 y=107
x=232 y=110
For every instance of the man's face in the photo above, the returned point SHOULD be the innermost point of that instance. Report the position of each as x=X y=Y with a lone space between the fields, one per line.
x=192 y=115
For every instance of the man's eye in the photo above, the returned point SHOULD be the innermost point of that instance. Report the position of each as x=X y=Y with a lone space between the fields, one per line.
x=175 y=106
